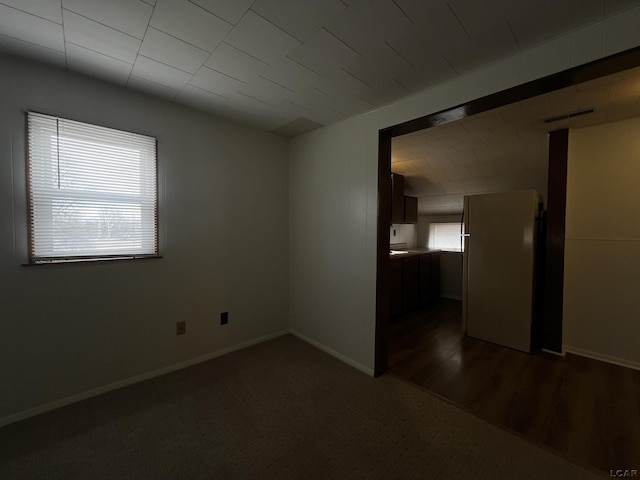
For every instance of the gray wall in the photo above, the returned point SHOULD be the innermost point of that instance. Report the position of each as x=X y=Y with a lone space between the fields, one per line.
x=67 y=329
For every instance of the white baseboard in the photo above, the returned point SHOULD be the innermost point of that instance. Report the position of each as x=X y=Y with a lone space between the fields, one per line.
x=333 y=353
x=130 y=381
x=599 y=356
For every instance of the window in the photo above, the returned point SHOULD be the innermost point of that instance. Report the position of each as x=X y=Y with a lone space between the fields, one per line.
x=446 y=236
x=92 y=191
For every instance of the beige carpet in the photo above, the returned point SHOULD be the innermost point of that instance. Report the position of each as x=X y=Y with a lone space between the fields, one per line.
x=281 y=409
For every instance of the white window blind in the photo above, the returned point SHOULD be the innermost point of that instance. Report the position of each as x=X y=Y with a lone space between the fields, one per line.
x=445 y=236
x=92 y=191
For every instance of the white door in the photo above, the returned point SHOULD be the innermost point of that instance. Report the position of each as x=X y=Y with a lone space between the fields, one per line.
x=499 y=267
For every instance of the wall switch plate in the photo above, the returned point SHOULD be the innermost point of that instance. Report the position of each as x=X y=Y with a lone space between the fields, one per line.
x=224 y=318
x=181 y=328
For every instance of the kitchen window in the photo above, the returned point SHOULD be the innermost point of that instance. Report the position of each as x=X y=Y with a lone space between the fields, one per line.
x=92 y=192
x=446 y=237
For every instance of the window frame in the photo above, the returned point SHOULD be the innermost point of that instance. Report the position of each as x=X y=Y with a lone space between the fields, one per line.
x=34 y=260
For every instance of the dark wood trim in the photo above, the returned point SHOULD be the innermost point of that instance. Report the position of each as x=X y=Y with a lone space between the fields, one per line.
x=573 y=76
x=554 y=245
x=383 y=264
x=582 y=73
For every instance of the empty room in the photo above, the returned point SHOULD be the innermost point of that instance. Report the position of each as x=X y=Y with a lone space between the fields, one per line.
x=238 y=239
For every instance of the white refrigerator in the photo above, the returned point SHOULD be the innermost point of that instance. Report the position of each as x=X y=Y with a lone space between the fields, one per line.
x=499 y=267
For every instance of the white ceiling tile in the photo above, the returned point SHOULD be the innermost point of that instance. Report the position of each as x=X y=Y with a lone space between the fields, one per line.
x=452 y=187
x=342 y=83
x=172 y=51
x=20 y=48
x=432 y=25
x=47 y=9
x=190 y=23
x=29 y=28
x=216 y=82
x=504 y=183
x=473 y=16
x=130 y=17
x=343 y=104
x=95 y=64
x=293 y=75
x=99 y=38
x=300 y=18
x=482 y=169
x=453 y=200
x=474 y=186
x=265 y=90
x=260 y=38
x=463 y=158
x=419 y=79
x=324 y=53
x=201 y=99
x=324 y=115
x=251 y=105
x=548 y=18
x=370 y=22
x=229 y=10
x=490 y=152
x=473 y=52
x=152 y=88
x=153 y=71
x=381 y=64
x=384 y=92
x=509 y=166
x=458 y=173
x=235 y=63
x=291 y=109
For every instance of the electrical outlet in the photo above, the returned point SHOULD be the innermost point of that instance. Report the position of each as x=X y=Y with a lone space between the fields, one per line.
x=224 y=318
x=181 y=328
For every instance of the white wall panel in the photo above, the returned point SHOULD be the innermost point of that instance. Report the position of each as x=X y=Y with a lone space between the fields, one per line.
x=223 y=223
x=602 y=257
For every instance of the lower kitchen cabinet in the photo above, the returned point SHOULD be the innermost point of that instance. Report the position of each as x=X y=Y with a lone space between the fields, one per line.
x=395 y=303
x=415 y=281
x=410 y=283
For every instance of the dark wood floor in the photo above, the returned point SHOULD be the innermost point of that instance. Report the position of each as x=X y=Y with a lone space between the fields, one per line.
x=583 y=409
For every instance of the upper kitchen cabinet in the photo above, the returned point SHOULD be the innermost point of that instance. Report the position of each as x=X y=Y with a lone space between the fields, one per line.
x=404 y=209
x=397 y=198
x=410 y=209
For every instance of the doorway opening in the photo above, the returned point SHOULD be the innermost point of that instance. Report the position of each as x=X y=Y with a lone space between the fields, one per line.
x=556 y=189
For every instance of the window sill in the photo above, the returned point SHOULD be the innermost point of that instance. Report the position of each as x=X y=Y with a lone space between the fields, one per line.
x=67 y=261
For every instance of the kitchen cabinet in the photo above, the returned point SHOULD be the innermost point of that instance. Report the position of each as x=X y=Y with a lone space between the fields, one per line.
x=415 y=281
x=410 y=209
x=429 y=277
x=395 y=304
x=397 y=198
x=404 y=209
x=434 y=276
x=410 y=283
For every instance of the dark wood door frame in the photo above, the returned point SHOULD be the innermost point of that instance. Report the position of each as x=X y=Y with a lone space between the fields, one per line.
x=552 y=330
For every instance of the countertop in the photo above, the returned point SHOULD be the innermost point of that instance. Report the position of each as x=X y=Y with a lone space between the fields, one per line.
x=411 y=252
